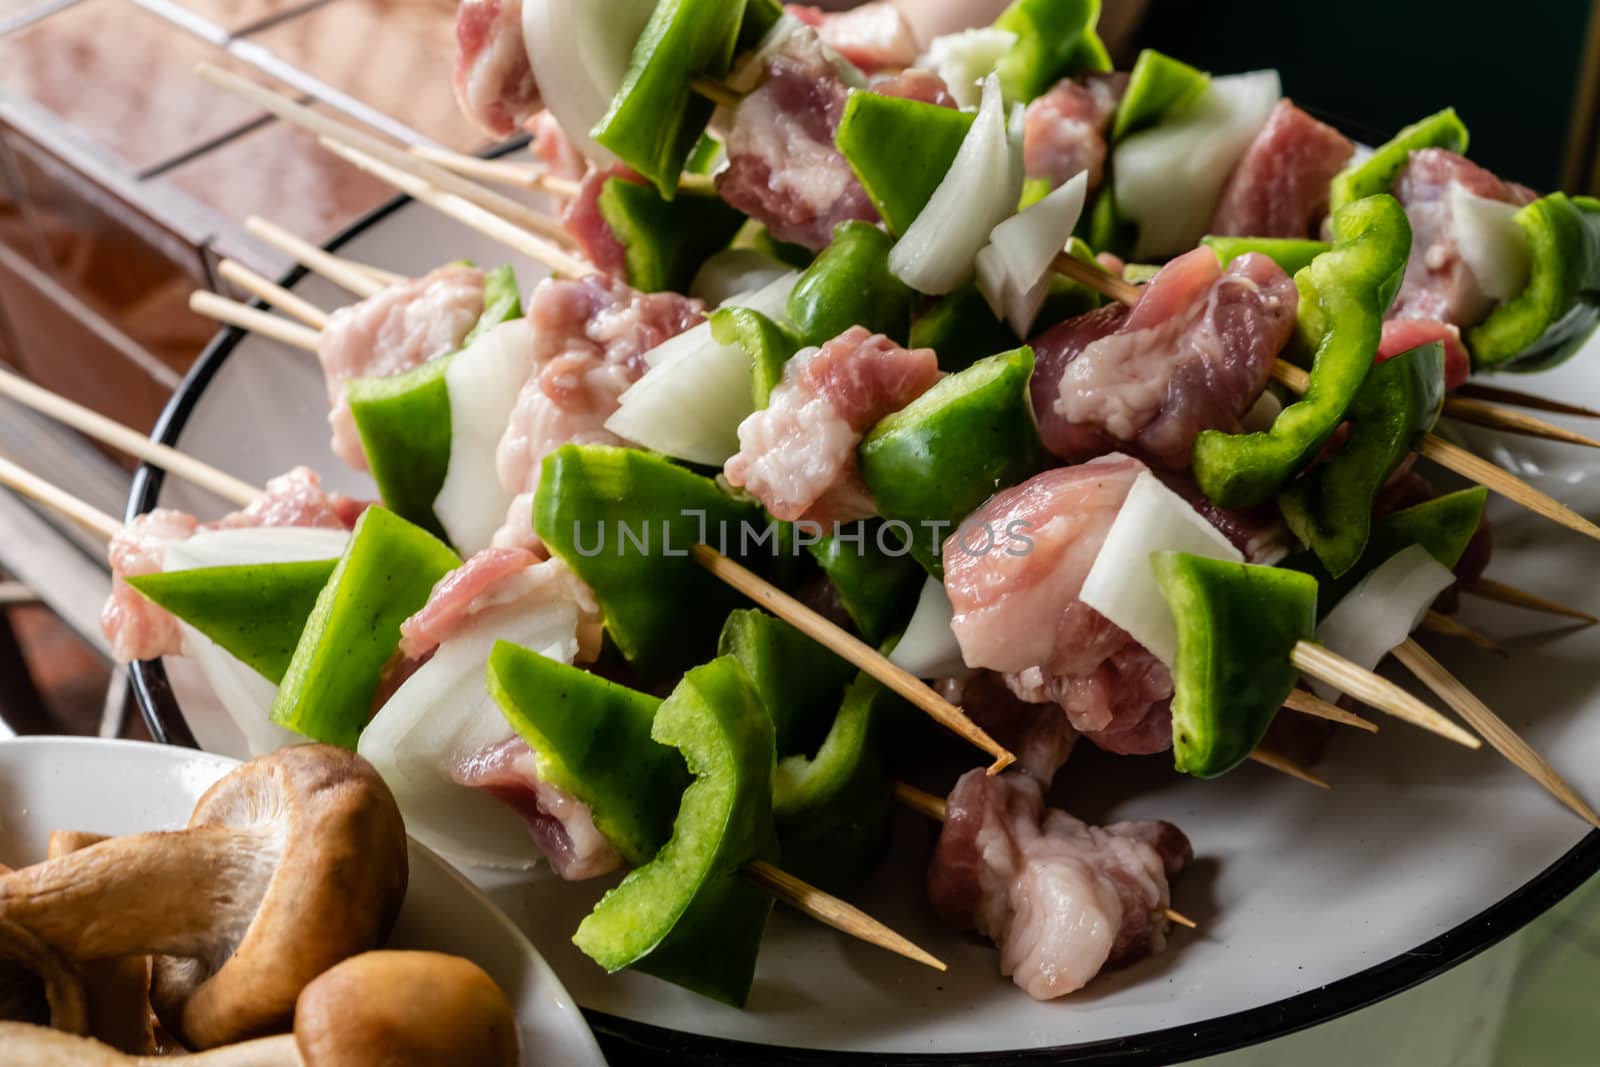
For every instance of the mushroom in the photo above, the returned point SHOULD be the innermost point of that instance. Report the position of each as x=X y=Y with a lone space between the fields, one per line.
x=117 y=991
x=290 y=864
x=30 y=972
x=394 y=1009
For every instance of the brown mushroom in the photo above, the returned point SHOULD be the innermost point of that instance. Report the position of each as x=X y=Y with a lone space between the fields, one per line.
x=32 y=972
x=118 y=990
x=394 y=1009
x=290 y=864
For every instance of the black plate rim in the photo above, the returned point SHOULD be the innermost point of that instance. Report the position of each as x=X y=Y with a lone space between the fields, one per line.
x=629 y=1040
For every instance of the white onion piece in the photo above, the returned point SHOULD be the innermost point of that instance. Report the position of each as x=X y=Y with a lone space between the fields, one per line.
x=1169 y=177
x=964 y=59
x=243 y=693
x=937 y=253
x=442 y=716
x=1122 y=583
x=580 y=51
x=484 y=380
x=929 y=648
x=1014 y=272
x=1492 y=244
x=689 y=404
x=734 y=272
x=1382 y=610
x=1263 y=413
x=245 y=545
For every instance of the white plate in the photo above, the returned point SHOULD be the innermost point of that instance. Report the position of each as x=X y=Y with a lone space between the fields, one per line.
x=1309 y=904
x=124 y=787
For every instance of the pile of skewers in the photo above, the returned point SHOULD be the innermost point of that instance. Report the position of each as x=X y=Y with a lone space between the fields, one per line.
x=1053 y=402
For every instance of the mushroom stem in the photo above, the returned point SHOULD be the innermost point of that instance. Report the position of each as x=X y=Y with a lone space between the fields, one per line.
x=36 y=1046
x=63 y=985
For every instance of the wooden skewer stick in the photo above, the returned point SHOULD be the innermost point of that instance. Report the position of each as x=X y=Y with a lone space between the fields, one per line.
x=466 y=212
x=118 y=436
x=1310 y=704
x=1496 y=394
x=272 y=293
x=1107 y=284
x=852 y=650
x=360 y=280
x=1495 y=417
x=1376 y=691
x=925 y=803
x=1284 y=765
x=329 y=129
x=1505 y=483
x=1492 y=727
x=1501 y=593
x=1445 y=626
x=499 y=171
x=245 y=317
x=831 y=911
x=36 y=488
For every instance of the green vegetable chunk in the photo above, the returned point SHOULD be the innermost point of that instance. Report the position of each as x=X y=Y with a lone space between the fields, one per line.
x=876 y=580
x=797 y=679
x=834 y=809
x=404 y=419
x=591 y=738
x=624 y=521
x=931 y=464
x=1055 y=39
x=255 y=611
x=1555 y=313
x=900 y=150
x=768 y=345
x=1237 y=626
x=1377 y=173
x=1343 y=296
x=657 y=118
x=385 y=576
x=1330 y=507
x=1293 y=254
x=665 y=243
x=688 y=916
x=1159 y=86
x=1444 y=526
x=850 y=284
x=961 y=328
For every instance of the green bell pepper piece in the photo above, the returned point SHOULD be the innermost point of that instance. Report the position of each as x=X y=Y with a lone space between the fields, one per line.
x=1564 y=239
x=255 y=611
x=1159 y=86
x=834 y=809
x=1444 y=526
x=1330 y=507
x=689 y=916
x=932 y=463
x=1237 y=627
x=876 y=580
x=850 y=284
x=758 y=237
x=665 y=243
x=900 y=150
x=768 y=345
x=1343 y=296
x=1377 y=173
x=1055 y=39
x=404 y=422
x=1103 y=225
x=961 y=328
x=404 y=419
x=385 y=576
x=1293 y=254
x=624 y=521
x=798 y=680
x=759 y=18
x=591 y=738
x=657 y=118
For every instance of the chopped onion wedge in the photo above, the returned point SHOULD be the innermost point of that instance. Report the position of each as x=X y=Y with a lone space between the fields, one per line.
x=689 y=404
x=964 y=59
x=1263 y=413
x=240 y=546
x=1492 y=244
x=580 y=51
x=442 y=716
x=243 y=693
x=1122 y=584
x=734 y=272
x=484 y=380
x=1169 y=177
x=1014 y=270
x=1382 y=610
x=938 y=251
x=929 y=648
